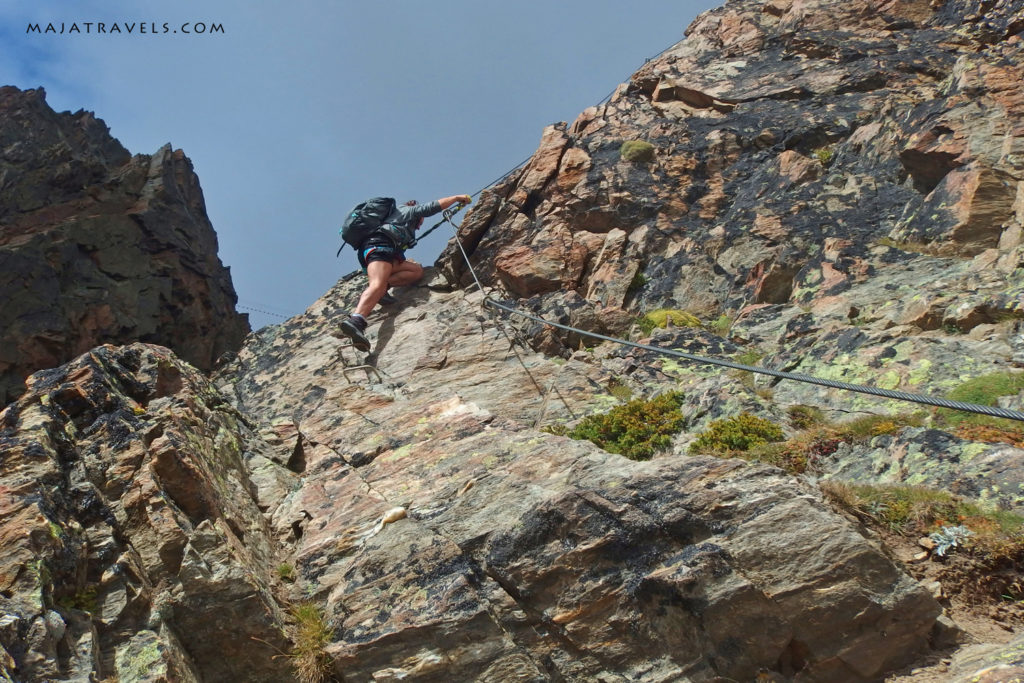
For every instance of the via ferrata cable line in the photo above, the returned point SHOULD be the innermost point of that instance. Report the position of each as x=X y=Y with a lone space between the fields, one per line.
x=992 y=411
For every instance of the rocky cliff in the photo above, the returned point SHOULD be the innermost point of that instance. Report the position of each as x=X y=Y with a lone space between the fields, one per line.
x=98 y=246
x=832 y=188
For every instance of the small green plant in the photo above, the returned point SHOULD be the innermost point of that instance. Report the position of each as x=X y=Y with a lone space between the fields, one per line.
x=84 y=600
x=619 y=390
x=638 y=151
x=286 y=572
x=748 y=357
x=824 y=155
x=739 y=433
x=747 y=378
x=721 y=325
x=637 y=429
x=663 y=317
x=637 y=283
x=311 y=634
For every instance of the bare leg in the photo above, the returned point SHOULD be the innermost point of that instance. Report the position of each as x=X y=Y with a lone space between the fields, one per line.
x=405 y=273
x=379 y=273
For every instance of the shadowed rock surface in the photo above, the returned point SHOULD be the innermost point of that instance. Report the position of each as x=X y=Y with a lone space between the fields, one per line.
x=98 y=246
x=131 y=543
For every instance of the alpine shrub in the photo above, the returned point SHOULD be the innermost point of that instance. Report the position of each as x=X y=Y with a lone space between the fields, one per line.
x=637 y=429
x=739 y=433
x=637 y=150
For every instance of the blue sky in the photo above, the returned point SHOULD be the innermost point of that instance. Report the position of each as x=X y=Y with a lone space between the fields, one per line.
x=299 y=110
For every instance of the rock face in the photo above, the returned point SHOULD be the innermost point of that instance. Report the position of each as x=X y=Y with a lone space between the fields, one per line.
x=837 y=182
x=835 y=187
x=97 y=246
x=525 y=556
x=131 y=543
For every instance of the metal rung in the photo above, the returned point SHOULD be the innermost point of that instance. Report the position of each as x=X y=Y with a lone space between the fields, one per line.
x=349 y=368
x=347 y=343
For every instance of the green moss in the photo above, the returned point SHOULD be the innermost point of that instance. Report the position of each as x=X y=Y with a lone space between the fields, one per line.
x=739 y=433
x=140 y=661
x=637 y=429
x=662 y=317
x=637 y=151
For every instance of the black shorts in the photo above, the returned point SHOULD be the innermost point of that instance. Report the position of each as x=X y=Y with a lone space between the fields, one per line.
x=379 y=252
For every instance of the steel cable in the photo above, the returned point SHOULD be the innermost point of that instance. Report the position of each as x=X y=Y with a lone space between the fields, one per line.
x=993 y=411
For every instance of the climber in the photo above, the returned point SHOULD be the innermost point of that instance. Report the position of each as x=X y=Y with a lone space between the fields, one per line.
x=382 y=256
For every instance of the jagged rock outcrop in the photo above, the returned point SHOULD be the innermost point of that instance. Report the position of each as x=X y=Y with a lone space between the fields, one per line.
x=98 y=246
x=131 y=544
x=854 y=165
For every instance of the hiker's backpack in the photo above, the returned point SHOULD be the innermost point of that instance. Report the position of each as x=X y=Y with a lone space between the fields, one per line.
x=366 y=219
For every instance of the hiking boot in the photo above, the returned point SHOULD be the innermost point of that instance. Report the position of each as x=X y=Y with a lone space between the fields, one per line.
x=386 y=299
x=353 y=328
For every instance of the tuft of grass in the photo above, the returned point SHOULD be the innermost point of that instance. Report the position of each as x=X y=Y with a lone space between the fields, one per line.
x=739 y=433
x=868 y=427
x=990 y=433
x=909 y=510
x=637 y=430
x=748 y=357
x=663 y=317
x=916 y=510
x=804 y=451
x=745 y=377
x=805 y=417
x=638 y=151
x=984 y=390
x=311 y=634
x=912 y=247
x=286 y=572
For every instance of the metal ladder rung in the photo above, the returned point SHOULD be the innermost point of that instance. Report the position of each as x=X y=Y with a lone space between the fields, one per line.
x=347 y=343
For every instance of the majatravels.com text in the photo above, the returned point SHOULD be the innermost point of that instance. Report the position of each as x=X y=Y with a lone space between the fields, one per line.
x=125 y=27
